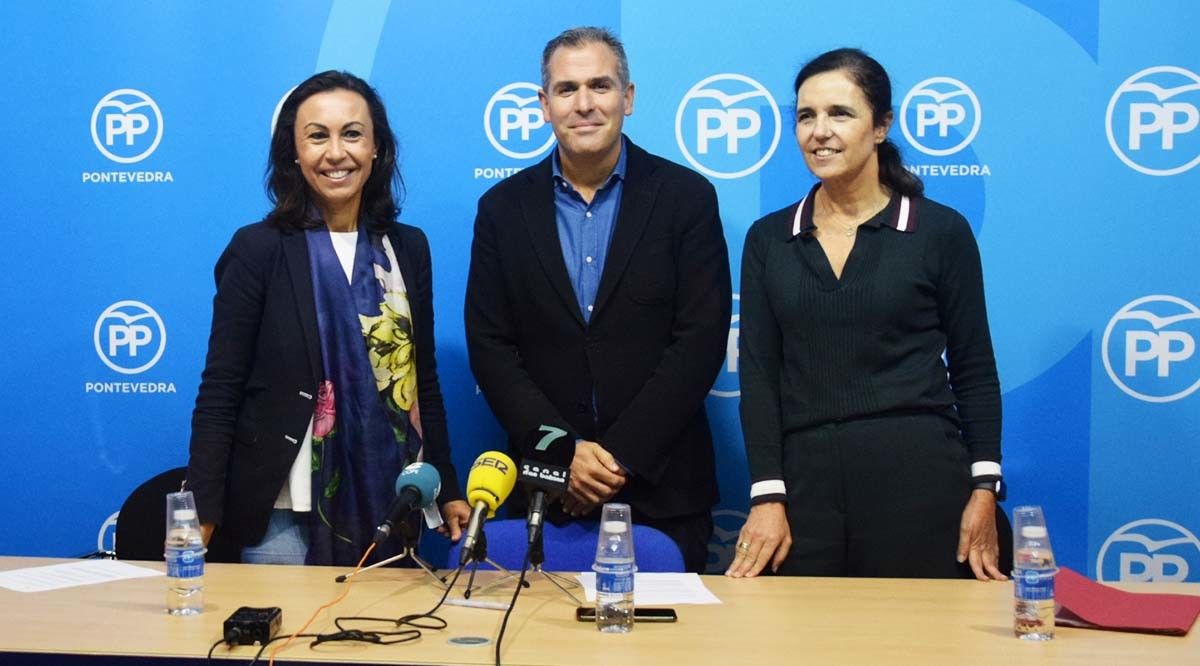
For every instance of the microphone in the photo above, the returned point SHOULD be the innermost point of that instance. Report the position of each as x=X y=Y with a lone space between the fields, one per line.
x=489 y=482
x=546 y=468
x=416 y=487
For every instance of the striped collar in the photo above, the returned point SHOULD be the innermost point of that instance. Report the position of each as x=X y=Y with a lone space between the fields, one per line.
x=900 y=214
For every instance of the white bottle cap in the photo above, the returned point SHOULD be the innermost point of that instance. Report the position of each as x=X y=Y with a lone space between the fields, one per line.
x=184 y=514
x=614 y=526
x=1033 y=532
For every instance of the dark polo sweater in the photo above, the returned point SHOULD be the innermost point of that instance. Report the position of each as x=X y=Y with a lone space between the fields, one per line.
x=815 y=349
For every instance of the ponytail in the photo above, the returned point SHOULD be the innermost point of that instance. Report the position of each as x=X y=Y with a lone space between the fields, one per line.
x=892 y=173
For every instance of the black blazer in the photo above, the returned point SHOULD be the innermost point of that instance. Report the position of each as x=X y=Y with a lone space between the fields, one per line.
x=656 y=339
x=259 y=385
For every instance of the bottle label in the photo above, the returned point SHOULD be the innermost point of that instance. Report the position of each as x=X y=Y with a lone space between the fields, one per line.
x=1033 y=585
x=185 y=563
x=615 y=583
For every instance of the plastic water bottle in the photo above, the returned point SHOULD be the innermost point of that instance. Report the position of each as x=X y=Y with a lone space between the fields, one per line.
x=1033 y=576
x=184 y=551
x=614 y=569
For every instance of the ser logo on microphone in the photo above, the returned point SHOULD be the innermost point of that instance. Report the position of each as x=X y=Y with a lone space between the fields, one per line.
x=1149 y=550
x=493 y=462
x=1152 y=119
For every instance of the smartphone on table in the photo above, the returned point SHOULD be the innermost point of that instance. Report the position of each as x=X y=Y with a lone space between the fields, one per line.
x=640 y=614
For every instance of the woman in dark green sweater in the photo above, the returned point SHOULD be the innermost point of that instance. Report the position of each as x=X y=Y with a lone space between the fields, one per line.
x=870 y=453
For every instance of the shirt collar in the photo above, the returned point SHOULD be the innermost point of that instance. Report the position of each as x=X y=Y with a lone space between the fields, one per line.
x=618 y=172
x=900 y=214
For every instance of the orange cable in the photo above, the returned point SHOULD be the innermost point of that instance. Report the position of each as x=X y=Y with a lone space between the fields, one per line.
x=349 y=581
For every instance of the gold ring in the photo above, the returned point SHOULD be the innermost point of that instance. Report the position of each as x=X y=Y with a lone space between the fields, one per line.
x=744 y=546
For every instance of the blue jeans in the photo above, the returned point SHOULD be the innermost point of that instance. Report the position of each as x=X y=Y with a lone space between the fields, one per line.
x=286 y=540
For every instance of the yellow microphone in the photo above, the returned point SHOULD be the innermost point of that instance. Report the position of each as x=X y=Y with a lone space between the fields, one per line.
x=489 y=483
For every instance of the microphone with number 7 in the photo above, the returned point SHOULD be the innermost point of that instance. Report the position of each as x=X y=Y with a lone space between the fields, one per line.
x=546 y=468
x=489 y=482
x=416 y=487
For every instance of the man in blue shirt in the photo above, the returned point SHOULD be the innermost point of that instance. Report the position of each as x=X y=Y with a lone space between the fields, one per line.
x=598 y=303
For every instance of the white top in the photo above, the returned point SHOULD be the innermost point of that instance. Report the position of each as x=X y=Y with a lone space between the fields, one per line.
x=296 y=493
x=344 y=243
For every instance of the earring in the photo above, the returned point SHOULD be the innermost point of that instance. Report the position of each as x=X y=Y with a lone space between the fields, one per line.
x=375 y=156
x=296 y=161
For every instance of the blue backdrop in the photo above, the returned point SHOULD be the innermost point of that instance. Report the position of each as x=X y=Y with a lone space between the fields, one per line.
x=1067 y=133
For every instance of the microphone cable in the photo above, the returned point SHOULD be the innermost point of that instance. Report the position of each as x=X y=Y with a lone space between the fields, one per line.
x=512 y=604
x=214 y=647
x=415 y=620
x=299 y=632
x=346 y=633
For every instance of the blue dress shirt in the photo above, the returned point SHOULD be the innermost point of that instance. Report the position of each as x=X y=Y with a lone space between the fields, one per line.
x=585 y=229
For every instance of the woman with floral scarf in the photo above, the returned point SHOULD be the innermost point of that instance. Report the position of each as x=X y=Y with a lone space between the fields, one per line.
x=320 y=384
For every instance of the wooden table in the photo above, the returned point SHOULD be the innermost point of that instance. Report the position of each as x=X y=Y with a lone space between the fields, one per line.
x=762 y=621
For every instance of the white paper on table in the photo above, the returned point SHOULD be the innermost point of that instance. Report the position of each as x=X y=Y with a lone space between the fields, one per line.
x=71 y=574
x=659 y=589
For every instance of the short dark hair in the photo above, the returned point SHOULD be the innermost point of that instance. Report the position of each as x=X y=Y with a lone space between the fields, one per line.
x=577 y=37
x=873 y=81
x=286 y=187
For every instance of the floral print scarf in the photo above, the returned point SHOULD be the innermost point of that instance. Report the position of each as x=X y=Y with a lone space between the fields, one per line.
x=366 y=426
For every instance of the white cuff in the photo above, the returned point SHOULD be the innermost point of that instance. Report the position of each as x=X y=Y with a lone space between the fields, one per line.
x=770 y=487
x=985 y=468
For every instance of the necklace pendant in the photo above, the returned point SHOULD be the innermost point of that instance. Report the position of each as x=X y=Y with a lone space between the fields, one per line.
x=849 y=231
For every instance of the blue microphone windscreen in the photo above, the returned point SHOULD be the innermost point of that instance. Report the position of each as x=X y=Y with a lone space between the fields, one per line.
x=423 y=478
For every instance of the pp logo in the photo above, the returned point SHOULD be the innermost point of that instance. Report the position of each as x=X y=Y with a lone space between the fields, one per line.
x=126 y=126
x=106 y=537
x=130 y=337
x=727 y=524
x=514 y=123
x=726 y=385
x=1149 y=550
x=1152 y=118
x=935 y=106
x=720 y=124
x=1149 y=348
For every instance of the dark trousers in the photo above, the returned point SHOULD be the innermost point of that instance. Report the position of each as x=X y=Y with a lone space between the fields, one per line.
x=691 y=533
x=876 y=497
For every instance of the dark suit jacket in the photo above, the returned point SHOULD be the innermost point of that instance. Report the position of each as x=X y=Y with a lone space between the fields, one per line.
x=656 y=339
x=260 y=379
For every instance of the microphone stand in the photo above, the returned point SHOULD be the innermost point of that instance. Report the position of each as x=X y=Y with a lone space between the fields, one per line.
x=409 y=537
x=479 y=554
x=537 y=557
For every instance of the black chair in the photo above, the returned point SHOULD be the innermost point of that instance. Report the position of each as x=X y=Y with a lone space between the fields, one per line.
x=142 y=522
